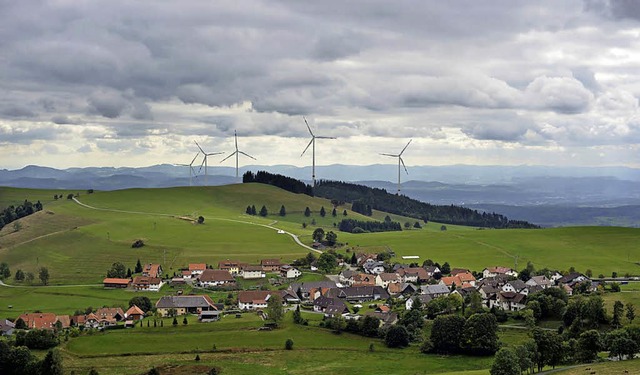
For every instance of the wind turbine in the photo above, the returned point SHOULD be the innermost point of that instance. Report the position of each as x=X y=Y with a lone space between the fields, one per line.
x=313 y=150
x=400 y=161
x=204 y=162
x=191 y=170
x=237 y=153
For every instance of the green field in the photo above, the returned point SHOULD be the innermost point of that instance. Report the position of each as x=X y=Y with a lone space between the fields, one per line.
x=79 y=244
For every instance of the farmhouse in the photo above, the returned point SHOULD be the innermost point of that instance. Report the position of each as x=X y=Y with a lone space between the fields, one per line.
x=511 y=301
x=358 y=294
x=253 y=272
x=434 y=291
x=215 y=278
x=413 y=275
x=151 y=284
x=152 y=270
x=289 y=272
x=6 y=327
x=384 y=279
x=424 y=299
x=541 y=281
x=270 y=265
x=304 y=290
x=253 y=300
x=196 y=269
x=44 y=320
x=113 y=283
x=514 y=286
x=181 y=305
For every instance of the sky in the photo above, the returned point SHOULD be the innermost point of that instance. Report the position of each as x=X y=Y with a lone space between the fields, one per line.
x=135 y=83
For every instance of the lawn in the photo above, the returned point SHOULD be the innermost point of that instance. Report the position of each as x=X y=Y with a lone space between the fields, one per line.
x=606 y=368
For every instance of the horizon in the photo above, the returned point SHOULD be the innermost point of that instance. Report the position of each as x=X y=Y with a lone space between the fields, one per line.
x=547 y=83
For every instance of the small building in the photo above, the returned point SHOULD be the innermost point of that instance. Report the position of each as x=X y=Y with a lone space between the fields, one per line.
x=134 y=313
x=145 y=283
x=270 y=265
x=211 y=278
x=196 y=269
x=289 y=272
x=181 y=305
x=253 y=272
x=495 y=271
x=152 y=270
x=234 y=267
x=209 y=316
x=253 y=299
x=116 y=283
x=6 y=327
x=386 y=278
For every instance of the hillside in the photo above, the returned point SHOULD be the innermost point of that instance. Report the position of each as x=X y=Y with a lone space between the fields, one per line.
x=78 y=244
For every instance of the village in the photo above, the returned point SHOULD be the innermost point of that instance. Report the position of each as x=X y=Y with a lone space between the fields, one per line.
x=365 y=286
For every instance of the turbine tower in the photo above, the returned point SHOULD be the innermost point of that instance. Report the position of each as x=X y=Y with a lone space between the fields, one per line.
x=237 y=153
x=191 y=170
x=313 y=150
x=400 y=161
x=204 y=162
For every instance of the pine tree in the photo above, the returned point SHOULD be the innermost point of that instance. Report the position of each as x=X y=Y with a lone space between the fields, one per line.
x=344 y=213
x=307 y=212
x=322 y=211
x=128 y=272
x=248 y=211
x=138 y=268
x=283 y=211
x=253 y=210
x=334 y=213
x=263 y=211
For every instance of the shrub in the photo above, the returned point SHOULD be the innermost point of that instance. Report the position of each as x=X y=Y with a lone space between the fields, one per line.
x=288 y=344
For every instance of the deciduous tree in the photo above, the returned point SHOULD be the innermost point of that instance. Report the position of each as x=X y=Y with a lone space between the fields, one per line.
x=43 y=275
x=505 y=363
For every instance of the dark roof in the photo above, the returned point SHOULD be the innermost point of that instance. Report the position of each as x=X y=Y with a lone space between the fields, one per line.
x=518 y=284
x=215 y=275
x=358 y=292
x=248 y=296
x=570 y=277
x=172 y=302
x=324 y=301
x=434 y=289
x=307 y=286
x=337 y=308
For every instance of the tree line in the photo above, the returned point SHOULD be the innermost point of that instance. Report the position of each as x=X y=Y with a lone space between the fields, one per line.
x=365 y=199
x=13 y=213
x=359 y=226
x=283 y=182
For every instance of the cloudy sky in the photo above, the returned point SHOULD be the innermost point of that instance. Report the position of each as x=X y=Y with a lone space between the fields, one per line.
x=134 y=83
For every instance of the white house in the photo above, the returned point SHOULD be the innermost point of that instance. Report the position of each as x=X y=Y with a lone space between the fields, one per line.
x=289 y=272
x=253 y=300
x=541 y=281
x=211 y=278
x=253 y=272
x=495 y=271
x=384 y=279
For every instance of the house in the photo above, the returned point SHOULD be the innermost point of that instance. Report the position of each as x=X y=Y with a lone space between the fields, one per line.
x=512 y=301
x=456 y=271
x=209 y=316
x=151 y=284
x=186 y=274
x=556 y=276
x=385 y=278
x=494 y=271
x=103 y=317
x=567 y=289
x=413 y=275
x=253 y=299
x=489 y=294
x=6 y=327
x=303 y=290
x=289 y=272
x=196 y=269
x=175 y=281
x=289 y=296
x=210 y=278
x=44 y=320
x=362 y=279
x=401 y=289
x=134 y=313
x=336 y=309
x=541 y=281
x=431 y=270
x=358 y=294
x=110 y=314
x=424 y=299
x=517 y=286
x=450 y=281
x=270 y=265
x=235 y=268
x=152 y=270
x=465 y=291
x=434 y=291
x=252 y=272
x=334 y=305
x=373 y=267
x=572 y=279
x=113 y=283
x=181 y=305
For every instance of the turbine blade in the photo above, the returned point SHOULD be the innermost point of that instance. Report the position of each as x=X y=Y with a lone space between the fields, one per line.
x=230 y=155
x=245 y=154
x=395 y=156
x=306 y=148
x=236 y=137
x=405 y=167
x=326 y=137
x=202 y=164
x=201 y=150
x=405 y=147
x=215 y=153
x=194 y=158
x=308 y=127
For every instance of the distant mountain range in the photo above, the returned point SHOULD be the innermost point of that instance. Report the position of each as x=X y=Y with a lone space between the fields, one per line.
x=539 y=194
